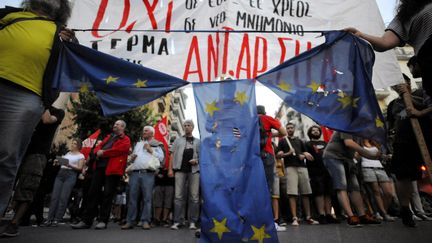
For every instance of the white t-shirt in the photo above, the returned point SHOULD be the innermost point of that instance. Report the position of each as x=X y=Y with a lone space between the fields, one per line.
x=73 y=159
x=371 y=162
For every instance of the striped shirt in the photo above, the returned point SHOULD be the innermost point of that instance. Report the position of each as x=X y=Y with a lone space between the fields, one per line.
x=415 y=31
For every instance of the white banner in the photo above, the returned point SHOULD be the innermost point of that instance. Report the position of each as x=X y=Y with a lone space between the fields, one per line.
x=125 y=28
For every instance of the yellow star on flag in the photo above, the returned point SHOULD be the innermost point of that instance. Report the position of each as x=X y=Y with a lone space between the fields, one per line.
x=347 y=100
x=140 y=83
x=111 y=79
x=84 y=88
x=211 y=108
x=241 y=97
x=259 y=234
x=314 y=86
x=378 y=122
x=284 y=86
x=220 y=227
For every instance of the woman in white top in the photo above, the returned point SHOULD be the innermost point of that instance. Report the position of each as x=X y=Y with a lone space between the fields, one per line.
x=71 y=165
x=377 y=179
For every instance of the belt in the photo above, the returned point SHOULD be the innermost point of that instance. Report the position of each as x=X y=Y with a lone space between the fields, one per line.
x=144 y=171
x=374 y=168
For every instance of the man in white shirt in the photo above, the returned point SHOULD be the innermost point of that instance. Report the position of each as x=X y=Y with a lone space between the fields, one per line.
x=141 y=178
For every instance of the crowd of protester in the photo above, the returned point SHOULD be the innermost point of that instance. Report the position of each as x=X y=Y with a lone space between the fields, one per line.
x=311 y=182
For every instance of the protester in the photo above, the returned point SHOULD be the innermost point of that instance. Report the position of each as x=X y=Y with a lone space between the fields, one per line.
x=163 y=197
x=142 y=176
x=412 y=25
x=338 y=158
x=64 y=182
x=110 y=166
x=267 y=123
x=320 y=179
x=27 y=60
x=293 y=151
x=377 y=179
x=407 y=166
x=32 y=168
x=184 y=166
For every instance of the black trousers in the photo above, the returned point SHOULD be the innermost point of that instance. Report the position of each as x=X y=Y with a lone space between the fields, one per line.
x=424 y=60
x=101 y=193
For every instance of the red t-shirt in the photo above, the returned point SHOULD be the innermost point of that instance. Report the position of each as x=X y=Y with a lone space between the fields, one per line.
x=268 y=124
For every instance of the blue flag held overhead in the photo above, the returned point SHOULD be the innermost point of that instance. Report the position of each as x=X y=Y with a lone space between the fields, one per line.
x=119 y=85
x=332 y=84
x=236 y=201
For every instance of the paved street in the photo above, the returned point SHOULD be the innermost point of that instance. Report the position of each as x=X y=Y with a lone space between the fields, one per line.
x=385 y=233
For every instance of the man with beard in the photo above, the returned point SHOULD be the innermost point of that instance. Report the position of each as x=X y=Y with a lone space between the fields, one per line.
x=320 y=179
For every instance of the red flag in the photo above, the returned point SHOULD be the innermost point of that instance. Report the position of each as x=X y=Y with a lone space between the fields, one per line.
x=327 y=133
x=161 y=134
x=88 y=143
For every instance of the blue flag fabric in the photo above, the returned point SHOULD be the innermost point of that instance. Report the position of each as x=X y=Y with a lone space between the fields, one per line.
x=332 y=84
x=236 y=205
x=119 y=85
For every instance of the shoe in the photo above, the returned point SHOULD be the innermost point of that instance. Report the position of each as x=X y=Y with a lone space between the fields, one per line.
x=281 y=222
x=80 y=225
x=140 y=224
x=175 y=226
x=192 y=226
x=311 y=221
x=295 y=222
x=54 y=223
x=46 y=223
x=127 y=226
x=280 y=228
x=424 y=217
x=367 y=219
x=332 y=220
x=10 y=231
x=353 y=221
x=389 y=218
x=146 y=226
x=101 y=225
x=322 y=219
x=379 y=217
x=407 y=217
x=165 y=223
x=416 y=218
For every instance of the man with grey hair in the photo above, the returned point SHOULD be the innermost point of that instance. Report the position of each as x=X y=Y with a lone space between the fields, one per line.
x=142 y=176
x=184 y=166
x=29 y=48
x=112 y=154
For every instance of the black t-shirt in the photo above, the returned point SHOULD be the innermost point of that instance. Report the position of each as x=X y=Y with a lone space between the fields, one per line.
x=43 y=135
x=299 y=148
x=316 y=149
x=187 y=156
x=162 y=179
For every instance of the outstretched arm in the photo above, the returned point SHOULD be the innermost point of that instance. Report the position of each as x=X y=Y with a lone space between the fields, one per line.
x=382 y=43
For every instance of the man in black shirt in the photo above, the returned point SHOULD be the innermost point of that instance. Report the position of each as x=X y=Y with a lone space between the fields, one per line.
x=293 y=151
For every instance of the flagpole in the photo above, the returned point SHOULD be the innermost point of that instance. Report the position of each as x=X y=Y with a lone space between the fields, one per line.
x=418 y=132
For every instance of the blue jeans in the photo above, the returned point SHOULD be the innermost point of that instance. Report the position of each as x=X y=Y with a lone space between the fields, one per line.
x=63 y=185
x=186 y=184
x=20 y=111
x=140 y=182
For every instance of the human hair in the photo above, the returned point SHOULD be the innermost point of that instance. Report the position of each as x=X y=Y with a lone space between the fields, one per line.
x=408 y=8
x=123 y=123
x=309 y=132
x=189 y=122
x=149 y=128
x=290 y=124
x=79 y=142
x=261 y=110
x=57 y=10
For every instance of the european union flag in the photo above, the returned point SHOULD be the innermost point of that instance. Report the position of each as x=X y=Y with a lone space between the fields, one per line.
x=332 y=84
x=236 y=204
x=119 y=85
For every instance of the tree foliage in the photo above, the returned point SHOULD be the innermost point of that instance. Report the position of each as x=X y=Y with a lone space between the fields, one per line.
x=88 y=116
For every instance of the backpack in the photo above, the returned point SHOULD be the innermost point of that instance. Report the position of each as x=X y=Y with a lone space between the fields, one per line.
x=48 y=94
x=263 y=136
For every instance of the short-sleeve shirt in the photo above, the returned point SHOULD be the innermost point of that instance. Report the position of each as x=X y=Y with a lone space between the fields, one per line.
x=299 y=148
x=269 y=123
x=25 y=48
x=415 y=31
x=336 y=148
